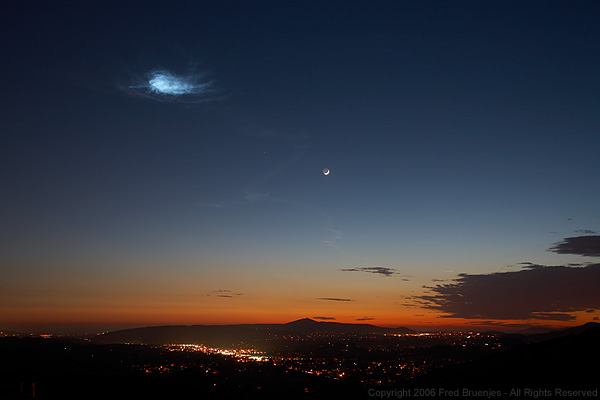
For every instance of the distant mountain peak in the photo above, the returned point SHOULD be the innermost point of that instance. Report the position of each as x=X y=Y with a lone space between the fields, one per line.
x=303 y=321
x=307 y=325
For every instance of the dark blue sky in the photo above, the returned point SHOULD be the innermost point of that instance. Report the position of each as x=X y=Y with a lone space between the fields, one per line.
x=461 y=137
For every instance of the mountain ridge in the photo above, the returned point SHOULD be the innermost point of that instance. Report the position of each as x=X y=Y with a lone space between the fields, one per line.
x=228 y=334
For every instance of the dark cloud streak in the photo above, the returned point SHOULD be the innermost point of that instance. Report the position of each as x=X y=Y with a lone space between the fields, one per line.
x=334 y=299
x=583 y=245
x=385 y=271
x=226 y=293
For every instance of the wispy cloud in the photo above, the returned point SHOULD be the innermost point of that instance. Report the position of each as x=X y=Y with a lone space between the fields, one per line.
x=365 y=319
x=223 y=293
x=167 y=86
x=325 y=318
x=334 y=299
x=385 y=271
x=336 y=234
x=293 y=146
x=334 y=238
x=256 y=196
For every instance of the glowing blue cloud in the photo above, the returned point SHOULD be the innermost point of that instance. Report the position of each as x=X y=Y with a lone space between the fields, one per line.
x=164 y=82
x=163 y=85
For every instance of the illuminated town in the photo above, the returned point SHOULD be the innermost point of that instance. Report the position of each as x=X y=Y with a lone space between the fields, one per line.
x=273 y=361
x=368 y=359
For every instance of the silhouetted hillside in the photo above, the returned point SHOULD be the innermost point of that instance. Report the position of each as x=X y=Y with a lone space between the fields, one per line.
x=307 y=325
x=57 y=369
x=227 y=335
x=563 y=332
x=561 y=359
x=312 y=367
x=210 y=335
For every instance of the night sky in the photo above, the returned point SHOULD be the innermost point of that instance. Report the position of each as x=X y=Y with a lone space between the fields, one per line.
x=162 y=163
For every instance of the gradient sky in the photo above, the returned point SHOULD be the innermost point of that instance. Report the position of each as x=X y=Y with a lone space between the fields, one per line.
x=462 y=138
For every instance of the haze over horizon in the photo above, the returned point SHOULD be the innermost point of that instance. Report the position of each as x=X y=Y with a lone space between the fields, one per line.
x=419 y=164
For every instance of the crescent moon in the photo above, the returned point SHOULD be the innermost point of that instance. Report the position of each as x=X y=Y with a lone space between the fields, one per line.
x=326 y=171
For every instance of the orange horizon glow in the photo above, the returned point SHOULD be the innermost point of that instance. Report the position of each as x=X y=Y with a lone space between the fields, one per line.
x=144 y=319
x=124 y=299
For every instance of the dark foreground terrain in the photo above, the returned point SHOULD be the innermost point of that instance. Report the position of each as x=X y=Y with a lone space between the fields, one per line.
x=312 y=365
